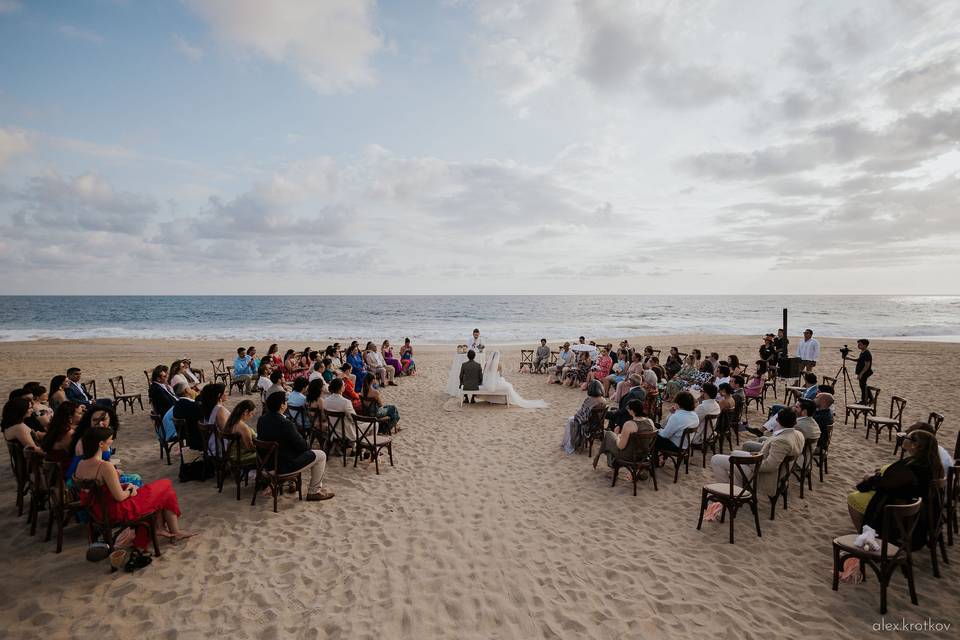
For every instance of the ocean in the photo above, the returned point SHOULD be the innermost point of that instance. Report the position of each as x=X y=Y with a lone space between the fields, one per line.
x=447 y=319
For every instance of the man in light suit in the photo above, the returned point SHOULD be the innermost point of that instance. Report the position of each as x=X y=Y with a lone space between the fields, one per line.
x=785 y=441
x=471 y=374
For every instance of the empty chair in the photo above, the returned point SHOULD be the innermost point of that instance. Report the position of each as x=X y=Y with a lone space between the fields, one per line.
x=935 y=420
x=120 y=395
x=526 y=360
x=894 y=421
x=858 y=410
x=220 y=372
x=740 y=490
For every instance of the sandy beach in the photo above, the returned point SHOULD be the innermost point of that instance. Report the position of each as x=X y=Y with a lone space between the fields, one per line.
x=483 y=529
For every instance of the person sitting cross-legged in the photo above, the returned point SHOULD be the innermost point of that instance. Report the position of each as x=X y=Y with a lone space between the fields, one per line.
x=541 y=357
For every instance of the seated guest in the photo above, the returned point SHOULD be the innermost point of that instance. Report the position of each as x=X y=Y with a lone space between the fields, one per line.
x=754 y=386
x=213 y=398
x=785 y=442
x=192 y=375
x=708 y=406
x=945 y=457
x=736 y=369
x=127 y=501
x=723 y=375
x=276 y=384
x=182 y=390
x=58 y=391
x=56 y=440
x=349 y=391
x=40 y=411
x=237 y=423
x=180 y=374
x=824 y=411
x=725 y=397
x=602 y=368
x=682 y=417
x=564 y=360
x=190 y=411
x=336 y=401
x=386 y=352
x=615 y=442
x=297 y=399
x=739 y=397
x=75 y=390
x=265 y=378
x=682 y=379
x=805 y=424
x=635 y=367
x=291 y=365
x=576 y=426
x=633 y=381
x=13 y=422
x=578 y=374
x=161 y=395
x=900 y=482
x=329 y=372
x=658 y=369
x=293 y=454
x=316 y=392
x=357 y=367
x=674 y=364
x=370 y=395
x=273 y=357
x=541 y=357
x=331 y=352
x=254 y=360
x=317 y=373
x=406 y=358
x=375 y=366
x=650 y=385
x=243 y=370
x=94 y=417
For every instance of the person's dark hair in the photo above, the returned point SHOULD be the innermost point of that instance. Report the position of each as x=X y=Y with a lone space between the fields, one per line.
x=807 y=406
x=367 y=385
x=761 y=367
x=327 y=362
x=59 y=424
x=787 y=418
x=73 y=370
x=157 y=370
x=471 y=354
x=92 y=439
x=175 y=367
x=346 y=367
x=710 y=389
x=19 y=392
x=262 y=369
x=336 y=385
x=406 y=341
x=726 y=388
x=209 y=397
x=329 y=351
x=34 y=388
x=317 y=365
x=739 y=380
x=86 y=423
x=864 y=342
x=927 y=453
x=543 y=340
x=706 y=366
x=241 y=350
x=275 y=400
x=300 y=384
x=273 y=349
x=810 y=378
x=242 y=407
x=723 y=371
x=636 y=407
x=276 y=376
x=734 y=361
x=476 y=331
x=14 y=412
x=314 y=390
x=56 y=382
x=685 y=401
x=595 y=389
x=251 y=348
x=351 y=350
x=289 y=353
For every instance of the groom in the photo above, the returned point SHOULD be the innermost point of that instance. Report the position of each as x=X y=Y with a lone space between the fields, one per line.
x=471 y=374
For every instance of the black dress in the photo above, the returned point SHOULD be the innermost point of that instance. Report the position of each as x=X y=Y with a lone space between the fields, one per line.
x=901 y=483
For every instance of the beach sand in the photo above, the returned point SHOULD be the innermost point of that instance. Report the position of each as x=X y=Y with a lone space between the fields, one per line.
x=483 y=529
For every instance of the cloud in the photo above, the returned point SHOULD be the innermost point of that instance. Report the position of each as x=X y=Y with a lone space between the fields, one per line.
x=12 y=143
x=184 y=47
x=330 y=44
x=9 y=6
x=81 y=34
x=924 y=83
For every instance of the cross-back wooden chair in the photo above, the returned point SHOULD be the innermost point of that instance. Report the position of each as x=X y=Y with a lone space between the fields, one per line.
x=784 y=471
x=526 y=360
x=267 y=475
x=821 y=450
x=726 y=425
x=827 y=380
x=935 y=420
x=936 y=519
x=595 y=428
x=369 y=408
x=300 y=418
x=682 y=456
x=337 y=434
x=220 y=373
x=857 y=410
x=233 y=465
x=369 y=439
x=318 y=428
x=953 y=494
x=166 y=444
x=709 y=440
x=120 y=395
x=770 y=382
x=894 y=421
x=741 y=489
x=899 y=521
x=552 y=360
x=637 y=456
x=90 y=388
x=38 y=486
x=62 y=504
x=106 y=526
x=803 y=470
x=21 y=473
x=212 y=457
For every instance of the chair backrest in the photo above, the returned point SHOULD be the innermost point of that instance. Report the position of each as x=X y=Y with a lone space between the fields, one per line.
x=205 y=429
x=224 y=440
x=526 y=355
x=826 y=432
x=56 y=486
x=783 y=473
x=267 y=455
x=34 y=467
x=808 y=445
x=687 y=436
x=298 y=415
x=741 y=475
x=936 y=500
x=90 y=388
x=935 y=420
x=369 y=407
x=366 y=429
x=553 y=357
x=639 y=446
x=829 y=381
x=99 y=495
x=874 y=395
x=709 y=429
x=899 y=520
x=116 y=383
x=17 y=461
x=897 y=405
x=146 y=374
x=337 y=423
x=218 y=366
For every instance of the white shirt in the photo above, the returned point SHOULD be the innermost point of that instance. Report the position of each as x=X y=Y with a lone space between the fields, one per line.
x=808 y=350
x=314 y=375
x=474 y=343
x=946 y=459
x=708 y=407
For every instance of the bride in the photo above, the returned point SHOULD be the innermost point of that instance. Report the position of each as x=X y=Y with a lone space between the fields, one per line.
x=494 y=382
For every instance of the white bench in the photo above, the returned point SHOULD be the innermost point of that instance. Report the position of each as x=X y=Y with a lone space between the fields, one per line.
x=484 y=396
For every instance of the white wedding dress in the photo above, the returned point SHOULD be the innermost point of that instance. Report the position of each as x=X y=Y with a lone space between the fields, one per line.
x=494 y=382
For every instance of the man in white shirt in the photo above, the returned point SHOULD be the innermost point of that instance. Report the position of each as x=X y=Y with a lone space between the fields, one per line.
x=808 y=350
x=708 y=407
x=338 y=404
x=474 y=341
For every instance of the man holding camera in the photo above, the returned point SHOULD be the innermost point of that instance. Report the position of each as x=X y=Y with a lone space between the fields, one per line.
x=864 y=367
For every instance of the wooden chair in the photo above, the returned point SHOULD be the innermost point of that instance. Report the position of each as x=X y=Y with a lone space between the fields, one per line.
x=783 y=485
x=709 y=439
x=166 y=444
x=935 y=420
x=877 y=423
x=337 y=434
x=638 y=455
x=770 y=383
x=595 y=428
x=107 y=527
x=757 y=401
x=953 y=492
x=820 y=452
x=120 y=395
x=211 y=459
x=300 y=418
x=897 y=519
x=369 y=408
x=37 y=486
x=792 y=393
x=267 y=475
x=740 y=490
x=233 y=381
x=62 y=504
x=726 y=425
x=804 y=470
x=318 y=431
x=90 y=388
x=681 y=456
x=146 y=374
x=21 y=473
x=233 y=465
x=526 y=360
x=857 y=410
x=181 y=426
x=368 y=439
x=827 y=380
x=220 y=373
x=936 y=518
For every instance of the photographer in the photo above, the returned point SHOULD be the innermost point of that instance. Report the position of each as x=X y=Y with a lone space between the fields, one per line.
x=864 y=367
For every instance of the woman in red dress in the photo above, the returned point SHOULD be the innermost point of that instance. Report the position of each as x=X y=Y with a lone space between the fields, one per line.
x=126 y=502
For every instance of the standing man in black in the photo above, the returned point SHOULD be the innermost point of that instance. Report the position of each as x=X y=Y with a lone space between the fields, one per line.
x=864 y=369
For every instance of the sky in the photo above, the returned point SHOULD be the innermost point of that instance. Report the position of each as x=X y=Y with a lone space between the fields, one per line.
x=479 y=146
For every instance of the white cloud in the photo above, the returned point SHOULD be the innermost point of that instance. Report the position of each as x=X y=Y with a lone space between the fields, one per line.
x=330 y=43
x=81 y=34
x=12 y=143
x=184 y=47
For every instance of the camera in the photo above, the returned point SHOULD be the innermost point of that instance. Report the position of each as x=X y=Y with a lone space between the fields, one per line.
x=844 y=351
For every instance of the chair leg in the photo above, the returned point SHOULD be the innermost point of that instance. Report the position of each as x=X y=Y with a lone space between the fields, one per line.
x=50 y=515
x=773 y=507
x=653 y=474
x=733 y=516
x=836 y=567
x=756 y=515
x=908 y=572
x=616 y=472
x=376 y=459
x=390 y=453
x=60 y=525
x=703 y=507
x=933 y=558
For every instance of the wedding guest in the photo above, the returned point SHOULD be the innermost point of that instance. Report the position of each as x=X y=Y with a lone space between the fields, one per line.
x=674 y=363
x=708 y=406
x=273 y=357
x=296 y=398
x=564 y=360
x=213 y=398
x=406 y=358
x=13 y=423
x=58 y=390
x=542 y=357
x=317 y=373
x=243 y=370
x=349 y=390
x=634 y=391
x=185 y=394
x=276 y=384
x=386 y=351
x=237 y=422
x=370 y=395
x=576 y=375
x=682 y=417
x=601 y=370
x=254 y=360
x=316 y=392
x=376 y=366
x=291 y=365
x=357 y=368
x=75 y=390
x=615 y=442
x=576 y=425
x=160 y=393
x=336 y=401
x=178 y=374
x=56 y=440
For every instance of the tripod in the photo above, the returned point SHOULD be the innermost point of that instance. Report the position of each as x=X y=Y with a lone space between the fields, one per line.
x=846 y=381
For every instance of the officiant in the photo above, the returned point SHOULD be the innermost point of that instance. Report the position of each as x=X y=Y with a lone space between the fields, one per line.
x=474 y=341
